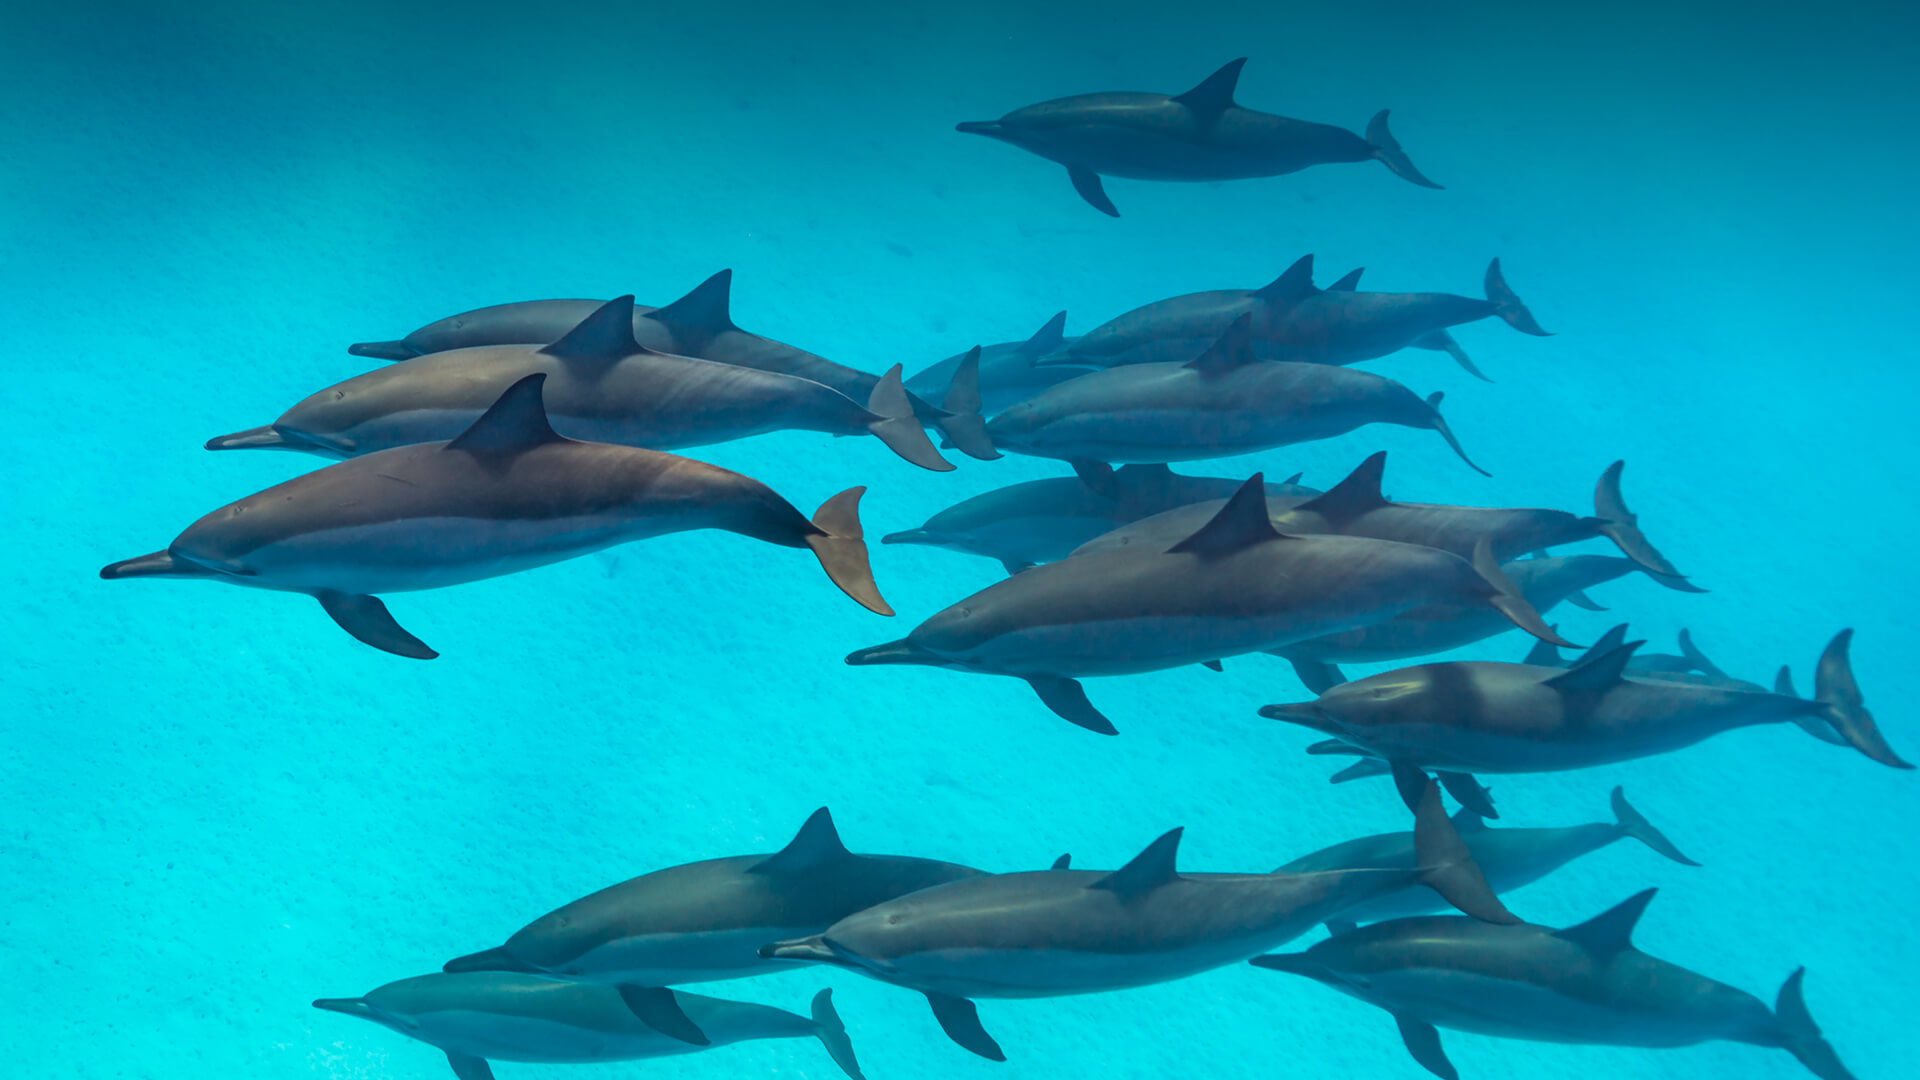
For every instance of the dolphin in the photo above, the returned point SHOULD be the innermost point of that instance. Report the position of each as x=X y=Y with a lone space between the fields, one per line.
x=1510 y=858
x=1486 y=717
x=602 y=385
x=1234 y=586
x=1581 y=984
x=1054 y=933
x=1199 y=135
x=1009 y=371
x=477 y=1017
x=1040 y=521
x=1224 y=402
x=526 y=322
x=1293 y=320
x=706 y=920
x=509 y=494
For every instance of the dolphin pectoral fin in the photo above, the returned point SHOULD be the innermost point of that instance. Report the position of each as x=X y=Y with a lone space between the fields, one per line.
x=367 y=619
x=842 y=550
x=1802 y=1036
x=961 y=1021
x=963 y=425
x=468 y=1067
x=1443 y=862
x=383 y=350
x=1507 y=598
x=1469 y=793
x=1361 y=770
x=1439 y=424
x=657 y=1008
x=1834 y=688
x=1633 y=823
x=1423 y=1042
x=896 y=425
x=1087 y=183
x=1579 y=598
x=1068 y=700
x=832 y=1033
x=1098 y=476
x=1387 y=149
x=1317 y=675
x=1441 y=341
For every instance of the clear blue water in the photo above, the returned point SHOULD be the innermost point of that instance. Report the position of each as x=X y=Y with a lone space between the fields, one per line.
x=219 y=807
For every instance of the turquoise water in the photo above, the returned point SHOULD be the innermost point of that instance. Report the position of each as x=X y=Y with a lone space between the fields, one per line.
x=221 y=807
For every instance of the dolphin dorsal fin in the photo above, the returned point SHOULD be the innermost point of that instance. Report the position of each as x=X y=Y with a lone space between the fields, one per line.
x=1350 y=283
x=1608 y=642
x=607 y=334
x=1544 y=653
x=1048 y=338
x=1148 y=871
x=1295 y=283
x=705 y=308
x=1358 y=494
x=816 y=844
x=1239 y=525
x=1598 y=675
x=1214 y=95
x=1064 y=862
x=1611 y=931
x=515 y=423
x=1783 y=682
x=1233 y=349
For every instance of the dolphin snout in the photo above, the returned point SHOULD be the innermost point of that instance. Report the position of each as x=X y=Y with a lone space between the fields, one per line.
x=260 y=438
x=990 y=128
x=154 y=564
x=911 y=536
x=350 y=1006
x=893 y=652
x=384 y=350
x=1305 y=712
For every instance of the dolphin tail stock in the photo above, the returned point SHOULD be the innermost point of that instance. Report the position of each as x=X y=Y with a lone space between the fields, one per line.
x=1387 y=149
x=383 y=350
x=896 y=424
x=1622 y=526
x=839 y=544
x=489 y=960
x=1507 y=598
x=1839 y=696
x=1506 y=303
x=832 y=1034
x=1801 y=1036
x=1439 y=424
x=963 y=425
x=1632 y=823
x=1442 y=861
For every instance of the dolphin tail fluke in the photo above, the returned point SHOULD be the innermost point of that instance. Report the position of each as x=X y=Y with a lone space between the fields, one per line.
x=1633 y=823
x=658 y=1008
x=963 y=425
x=154 y=564
x=490 y=960
x=961 y=1021
x=1801 y=1035
x=1622 y=526
x=1439 y=424
x=468 y=1067
x=1387 y=149
x=1816 y=726
x=369 y=621
x=1508 y=600
x=1506 y=303
x=1834 y=688
x=841 y=547
x=833 y=1035
x=1068 y=701
x=898 y=427
x=1442 y=860
x=383 y=350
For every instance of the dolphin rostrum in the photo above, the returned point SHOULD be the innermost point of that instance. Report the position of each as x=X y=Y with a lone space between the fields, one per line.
x=508 y=495
x=1199 y=135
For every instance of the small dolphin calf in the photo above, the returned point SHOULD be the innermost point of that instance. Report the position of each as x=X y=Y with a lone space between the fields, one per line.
x=1052 y=933
x=1199 y=135
x=1009 y=372
x=527 y=322
x=1234 y=586
x=1582 y=984
x=477 y=1017
x=508 y=495
x=706 y=920
x=1224 y=402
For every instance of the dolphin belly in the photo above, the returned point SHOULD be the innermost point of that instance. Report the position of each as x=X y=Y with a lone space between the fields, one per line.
x=1514 y=1009
x=1154 y=436
x=506 y=1037
x=1044 y=972
x=1140 y=154
x=430 y=553
x=1130 y=646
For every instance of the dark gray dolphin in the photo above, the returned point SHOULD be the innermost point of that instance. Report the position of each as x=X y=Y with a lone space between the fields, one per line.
x=1485 y=717
x=1235 y=586
x=1510 y=858
x=1008 y=371
x=602 y=386
x=1224 y=402
x=477 y=1017
x=527 y=322
x=508 y=495
x=1052 y=933
x=1199 y=135
x=1040 y=521
x=706 y=920
x=1294 y=321
x=1583 y=984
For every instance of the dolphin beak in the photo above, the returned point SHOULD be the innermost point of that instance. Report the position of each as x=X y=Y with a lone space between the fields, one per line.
x=1305 y=712
x=989 y=128
x=911 y=536
x=893 y=652
x=384 y=350
x=813 y=950
x=350 y=1006
x=260 y=438
x=157 y=564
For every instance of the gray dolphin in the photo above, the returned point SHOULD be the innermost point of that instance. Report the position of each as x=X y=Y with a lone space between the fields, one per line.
x=1009 y=371
x=1510 y=858
x=477 y=1017
x=1582 y=984
x=1199 y=135
x=1485 y=717
x=1053 y=933
x=602 y=386
x=1234 y=586
x=1293 y=320
x=1224 y=402
x=706 y=920
x=508 y=495
x=1040 y=521
x=526 y=322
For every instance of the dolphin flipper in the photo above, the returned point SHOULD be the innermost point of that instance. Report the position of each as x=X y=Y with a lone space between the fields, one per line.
x=367 y=619
x=832 y=1034
x=1087 y=183
x=961 y=1021
x=1317 y=675
x=1360 y=770
x=1802 y=1035
x=1423 y=1042
x=1068 y=700
x=1441 y=341
x=657 y=1008
x=1579 y=598
x=468 y=1067
x=840 y=546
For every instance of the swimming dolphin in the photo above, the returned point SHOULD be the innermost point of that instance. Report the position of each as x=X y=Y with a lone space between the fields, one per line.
x=1485 y=717
x=1040 y=521
x=1234 y=586
x=1199 y=135
x=526 y=322
x=509 y=494
x=1582 y=984
x=706 y=920
x=477 y=1017
x=1053 y=933
x=1224 y=402
x=1008 y=371
x=602 y=386
x=1510 y=858
x=1294 y=321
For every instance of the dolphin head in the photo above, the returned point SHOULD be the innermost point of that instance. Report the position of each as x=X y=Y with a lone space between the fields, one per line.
x=1350 y=710
x=872 y=942
x=351 y=417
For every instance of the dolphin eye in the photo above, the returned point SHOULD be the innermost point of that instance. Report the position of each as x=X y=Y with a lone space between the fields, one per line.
x=893 y=920
x=339 y=394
